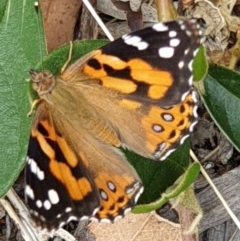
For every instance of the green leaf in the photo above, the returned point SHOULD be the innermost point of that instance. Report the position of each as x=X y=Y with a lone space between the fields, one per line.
x=200 y=65
x=182 y=184
x=56 y=59
x=21 y=41
x=3 y=8
x=222 y=100
x=157 y=176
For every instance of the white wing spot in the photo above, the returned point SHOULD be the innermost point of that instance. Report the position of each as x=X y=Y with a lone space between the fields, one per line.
x=157 y=128
x=35 y=213
x=111 y=186
x=28 y=160
x=61 y=224
x=133 y=188
x=142 y=45
x=166 y=52
x=29 y=192
x=104 y=220
x=190 y=81
x=172 y=34
x=168 y=117
x=190 y=65
x=192 y=126
x=72 y=218
x=39 y=203
x=119 y=216
x=174 y=42
x=183 y=27
x=180 y=64
x=195 y=52
x=135 y=41
x=167 y=154
x=194 y=96
x=35 y=169
x=40 y=174
x=103 y=195
x=42 y=218
x=160 y=27
x=138 y=194
x=189 y=33
x=53 y=196
x=195 y=111
x=127 y=210
x=95 y=211
x=85 y=218
x=183 y=139
x=186 y=51
x=68 y=210
x=184 y=95
x=162 y=146
x=33 y=166
x=47 y=205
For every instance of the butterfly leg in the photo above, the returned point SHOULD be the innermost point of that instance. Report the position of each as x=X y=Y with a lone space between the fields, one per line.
x=34 y=104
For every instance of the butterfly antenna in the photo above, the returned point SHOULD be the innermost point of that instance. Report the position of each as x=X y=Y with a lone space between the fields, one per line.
x=69 y=57
x=38 y=12
x=98 y=19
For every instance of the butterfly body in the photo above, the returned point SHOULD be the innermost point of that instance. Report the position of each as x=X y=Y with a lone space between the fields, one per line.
x=125 y=94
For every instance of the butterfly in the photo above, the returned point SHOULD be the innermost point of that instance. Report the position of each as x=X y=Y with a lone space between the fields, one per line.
x=136 y=93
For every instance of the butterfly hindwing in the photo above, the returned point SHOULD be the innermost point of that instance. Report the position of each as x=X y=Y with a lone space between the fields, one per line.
x=64 y=188
x=77 y=176
x=152 y=131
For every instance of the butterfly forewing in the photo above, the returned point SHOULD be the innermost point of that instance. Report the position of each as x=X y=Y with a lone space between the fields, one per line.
x=134 y=92
x=153 y=63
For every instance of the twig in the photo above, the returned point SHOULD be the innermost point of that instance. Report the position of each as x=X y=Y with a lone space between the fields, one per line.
x=224 y=203
x=98 y=19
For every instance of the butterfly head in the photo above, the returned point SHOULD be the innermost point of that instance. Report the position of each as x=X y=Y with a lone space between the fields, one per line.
x=42 y=82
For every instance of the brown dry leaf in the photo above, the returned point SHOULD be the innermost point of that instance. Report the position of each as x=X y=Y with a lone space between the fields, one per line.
x=137 y=227
x=88 y=28
x=189 y=212
x=134 y=18
x=215 y=27
x=221 y=27
x=226 y=8
x=59 y=19
x=2 y=212
x=149 y=11
x=123 y=6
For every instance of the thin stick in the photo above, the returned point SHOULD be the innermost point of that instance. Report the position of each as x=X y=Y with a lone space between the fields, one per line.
x=223 y=201
x=29 y=232
x=18 y=222
x=98 y=19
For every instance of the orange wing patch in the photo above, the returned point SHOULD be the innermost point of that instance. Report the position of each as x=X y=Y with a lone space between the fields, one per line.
x=125 y=76
x=117 y=192
x=77 y=188
x=130 y=104
x=165 y=127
